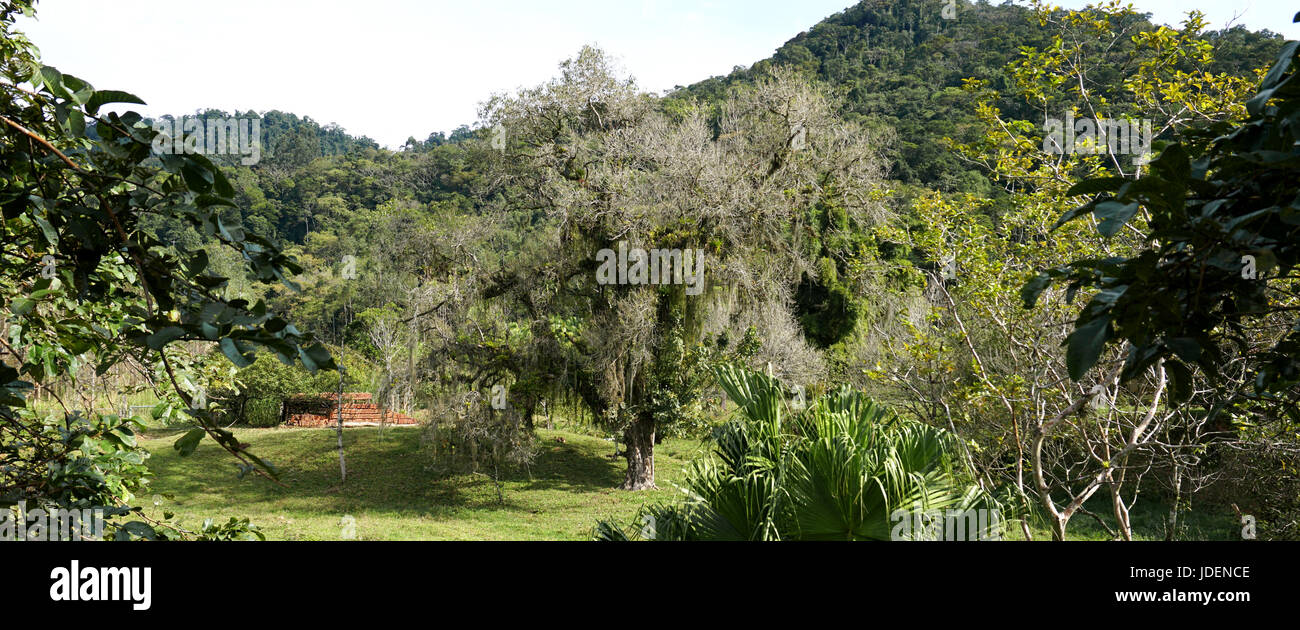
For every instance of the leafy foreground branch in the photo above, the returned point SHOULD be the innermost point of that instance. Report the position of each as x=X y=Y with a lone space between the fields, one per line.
x=86 y=286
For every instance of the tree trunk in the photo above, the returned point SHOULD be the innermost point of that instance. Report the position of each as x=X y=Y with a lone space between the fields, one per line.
x=639 y=440
x=1125 y=526
x=1058 y=527
x=1171 y=528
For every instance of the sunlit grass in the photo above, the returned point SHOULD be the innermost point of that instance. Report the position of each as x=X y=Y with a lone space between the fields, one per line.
x=392 y=489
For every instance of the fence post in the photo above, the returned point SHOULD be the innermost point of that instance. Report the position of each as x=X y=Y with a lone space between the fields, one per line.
x=338 y=405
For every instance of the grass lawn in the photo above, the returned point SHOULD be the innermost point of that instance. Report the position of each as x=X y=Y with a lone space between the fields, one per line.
x=392 y=492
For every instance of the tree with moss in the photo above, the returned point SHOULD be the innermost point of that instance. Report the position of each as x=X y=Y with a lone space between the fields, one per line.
x=614 y=173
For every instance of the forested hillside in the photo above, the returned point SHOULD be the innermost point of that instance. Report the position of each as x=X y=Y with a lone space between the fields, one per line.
x=897 y=65
x=900 y=64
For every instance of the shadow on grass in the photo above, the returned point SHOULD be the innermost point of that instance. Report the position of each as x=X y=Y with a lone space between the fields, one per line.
x=391 y=472
x=571 y=468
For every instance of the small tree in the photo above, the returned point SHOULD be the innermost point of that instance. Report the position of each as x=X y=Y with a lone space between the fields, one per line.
x=1005 y=376
x=468 y=434
x=1212 y=290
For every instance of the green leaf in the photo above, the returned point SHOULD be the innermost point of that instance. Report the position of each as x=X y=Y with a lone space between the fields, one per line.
x=1283 y=63
x=51 y=235
x=1271 y=81
x=123 y=437
x=1072 y=215
x=189 y=442
x=76 y=123
x=53 y=81
x=1034 y=288
x=232 y=352
x=163 y=337
x=1096 y=185
x=204 y=201
x=102 y=97
x=79 y=90
x=22 y=306
x=320 y=356
x=140 y=529
x=1085 y=346
x=197 y=178
x=219 y=182
x=1113 y=216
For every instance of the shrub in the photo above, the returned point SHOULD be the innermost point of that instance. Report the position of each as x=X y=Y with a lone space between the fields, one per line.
x=835 y=471
x=262 y=412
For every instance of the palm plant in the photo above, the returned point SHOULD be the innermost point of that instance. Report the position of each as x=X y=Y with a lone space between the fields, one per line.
x=836 y=470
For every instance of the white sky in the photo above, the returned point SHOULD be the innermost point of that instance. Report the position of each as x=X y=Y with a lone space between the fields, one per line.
x=391 y=69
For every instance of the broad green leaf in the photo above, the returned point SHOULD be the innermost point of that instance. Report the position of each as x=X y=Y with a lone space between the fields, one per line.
x=188 y=442
x=1034 y=288
x=22 y=306
x=233 y=353
x=1085 y=345
x=1096 y=185
x=103 y=97
x=1113 y=216
x=164 y=337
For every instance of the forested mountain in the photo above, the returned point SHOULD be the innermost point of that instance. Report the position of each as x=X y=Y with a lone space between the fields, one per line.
x=898 y=67
x=286 y=139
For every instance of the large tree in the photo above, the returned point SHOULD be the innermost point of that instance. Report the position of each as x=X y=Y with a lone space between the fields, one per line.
x=612 y=170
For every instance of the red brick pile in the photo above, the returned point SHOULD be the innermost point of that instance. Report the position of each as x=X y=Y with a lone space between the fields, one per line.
x=321 y=410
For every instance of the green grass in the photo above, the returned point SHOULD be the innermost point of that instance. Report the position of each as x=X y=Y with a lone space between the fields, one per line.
x=393 y=491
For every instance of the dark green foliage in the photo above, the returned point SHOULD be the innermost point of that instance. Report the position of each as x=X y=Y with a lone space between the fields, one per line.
x=81 y=279
x=827 y=309
x=298 y=140
x=265 y=384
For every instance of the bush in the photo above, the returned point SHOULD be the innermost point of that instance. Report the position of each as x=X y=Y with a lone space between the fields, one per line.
x=838 y=470
x=262 y=412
